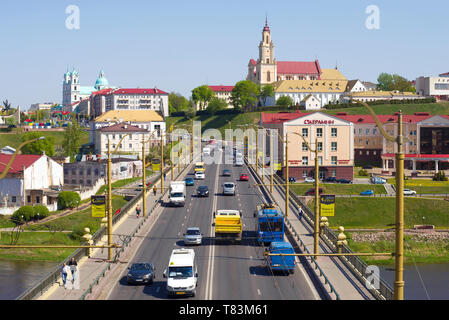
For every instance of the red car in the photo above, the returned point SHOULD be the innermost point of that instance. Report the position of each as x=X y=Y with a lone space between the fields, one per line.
x=244 y=177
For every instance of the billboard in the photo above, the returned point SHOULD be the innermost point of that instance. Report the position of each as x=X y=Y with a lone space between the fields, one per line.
x=327 y=205
x=98 y=205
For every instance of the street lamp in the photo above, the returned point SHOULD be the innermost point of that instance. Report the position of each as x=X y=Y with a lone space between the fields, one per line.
x=144 y=186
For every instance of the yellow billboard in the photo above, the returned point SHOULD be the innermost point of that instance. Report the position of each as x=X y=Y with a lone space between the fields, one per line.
x=327 y=205
x=156 y=165
x=98 y=205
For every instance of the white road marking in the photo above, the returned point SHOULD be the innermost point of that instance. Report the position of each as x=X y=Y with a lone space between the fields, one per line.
x=258 y=292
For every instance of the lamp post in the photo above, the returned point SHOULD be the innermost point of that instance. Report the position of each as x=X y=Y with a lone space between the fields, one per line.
x=144 y=185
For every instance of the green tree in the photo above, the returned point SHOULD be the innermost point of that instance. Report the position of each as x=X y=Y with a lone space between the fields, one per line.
x=11 y=121
x=190 y=112
x=6 y=106
x=284 y=101
x=244 y=95
x=266 y=91
x=215 y=105
x=68 y=199
x=177 y=102
x=46 y=145
x=202 y=95
x=25 y=213
x=72 y=138
x=390 y=82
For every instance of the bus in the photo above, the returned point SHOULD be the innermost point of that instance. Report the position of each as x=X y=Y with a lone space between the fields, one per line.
x=200 y=167
x=270 y=224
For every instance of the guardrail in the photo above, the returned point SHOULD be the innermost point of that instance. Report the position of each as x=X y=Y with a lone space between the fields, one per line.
x=296 y=236
x=356 y=265
x=53 y=276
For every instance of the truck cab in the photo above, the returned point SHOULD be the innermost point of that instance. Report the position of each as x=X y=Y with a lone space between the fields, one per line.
x=200 y=167
x=177 y=193
x=281 y=263
x=182 y=273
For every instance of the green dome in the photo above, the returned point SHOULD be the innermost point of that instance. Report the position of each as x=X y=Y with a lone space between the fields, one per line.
x=101 y=82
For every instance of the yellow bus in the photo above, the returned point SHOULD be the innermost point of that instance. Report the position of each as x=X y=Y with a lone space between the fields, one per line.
x=200 y=167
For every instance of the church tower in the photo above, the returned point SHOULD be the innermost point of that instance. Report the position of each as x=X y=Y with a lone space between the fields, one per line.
x=266 y=70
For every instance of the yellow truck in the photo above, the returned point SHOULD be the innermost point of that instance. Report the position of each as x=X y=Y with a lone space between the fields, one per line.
x=228 y=225
x=200 y=167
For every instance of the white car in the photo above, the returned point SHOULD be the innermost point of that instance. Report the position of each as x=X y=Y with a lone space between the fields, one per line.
x=308 y=179
x=229 y=188
x=200 y=175
x=408 y=192
x=193 y=236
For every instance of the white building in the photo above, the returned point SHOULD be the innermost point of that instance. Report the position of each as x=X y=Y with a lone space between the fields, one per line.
x=29 y=182
x=437 y=87
x=42 y=106
x=311 y=103
x=355 y=86
x=73 y=91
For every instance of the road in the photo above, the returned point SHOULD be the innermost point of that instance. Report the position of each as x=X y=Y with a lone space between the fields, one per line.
x=225 y=271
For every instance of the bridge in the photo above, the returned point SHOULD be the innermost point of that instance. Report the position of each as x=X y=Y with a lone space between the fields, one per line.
x=226 y=271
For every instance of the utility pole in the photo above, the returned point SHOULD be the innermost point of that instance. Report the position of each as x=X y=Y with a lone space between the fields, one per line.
x=144 y=202
x=109 y=203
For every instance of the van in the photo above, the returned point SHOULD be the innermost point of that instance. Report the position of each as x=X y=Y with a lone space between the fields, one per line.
x=281 y=263
x=239 y=159
x=177 y=193
x=182 y=273
x=206 y=151
x=378 y=180
x=200 y=167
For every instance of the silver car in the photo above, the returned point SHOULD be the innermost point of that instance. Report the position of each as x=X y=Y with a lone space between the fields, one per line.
x=229 y=188
x=193 y=236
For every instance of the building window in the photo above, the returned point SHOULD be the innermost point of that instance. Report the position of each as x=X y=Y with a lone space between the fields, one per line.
x=130 y=145
x=305 y=161
x=89 y=171
x=333 y=160
x=367 y=142
x=304 y=146
x=374 y=152
x=38 y=200
x=374 y=131
x=367 y=132
x=304 y=173
x=28 y=199
x=320 y=161
x=66 y=171
x=73 y=172
x=334 y=146
x=360 y=131
x=334 y=173
x=81 y=181
x=367 y=153
x=305 y=132
x=334 y=132
x=13 y=199
x=73 y=181
x=320 y=146
x=360 y=152
x=319 y=132
x=96 y=172
x=81 y=172
x=89 y=182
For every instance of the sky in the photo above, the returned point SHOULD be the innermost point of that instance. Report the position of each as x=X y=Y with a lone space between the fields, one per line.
x=179 y=45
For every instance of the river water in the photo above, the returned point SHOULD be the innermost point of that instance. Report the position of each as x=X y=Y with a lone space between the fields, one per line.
x=422 y=281
x=18 y=276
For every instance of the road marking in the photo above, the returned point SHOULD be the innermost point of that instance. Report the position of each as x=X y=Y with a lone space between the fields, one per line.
x=258 y=292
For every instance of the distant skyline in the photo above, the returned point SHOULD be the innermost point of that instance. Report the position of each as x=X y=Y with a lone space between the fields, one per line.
x=179 y=45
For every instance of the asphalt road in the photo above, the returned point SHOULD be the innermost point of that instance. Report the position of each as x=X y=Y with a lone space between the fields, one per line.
x=226 y=271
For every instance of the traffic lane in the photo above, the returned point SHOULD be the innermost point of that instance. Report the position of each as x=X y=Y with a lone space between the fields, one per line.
x=157 y=248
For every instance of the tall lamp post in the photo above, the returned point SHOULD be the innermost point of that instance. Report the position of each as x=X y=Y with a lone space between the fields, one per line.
x=144 y=165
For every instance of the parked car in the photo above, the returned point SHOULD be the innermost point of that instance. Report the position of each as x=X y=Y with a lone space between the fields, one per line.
x=141 y=273
x=190 y=182
x=229 y=188
x=140 y=187
x=378 y=180
x=193 y=236
x=311 y=191
x=342 y=180
x=291 y=179
x=367 y=193
x=244 y=177
x=309 y=179
x=367 y=167
x=200 y=175
x=408 y=192
x=202 y=191
x=330 y=179
x=226 y=173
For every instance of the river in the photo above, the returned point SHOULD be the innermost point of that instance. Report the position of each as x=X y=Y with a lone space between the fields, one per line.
x=18 y=276
x=422 y=281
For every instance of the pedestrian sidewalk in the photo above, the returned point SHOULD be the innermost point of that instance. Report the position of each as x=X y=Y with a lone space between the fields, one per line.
x=89 y=269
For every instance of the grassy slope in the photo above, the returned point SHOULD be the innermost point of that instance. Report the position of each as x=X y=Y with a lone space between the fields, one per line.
x=334 y=188
x=424 y=185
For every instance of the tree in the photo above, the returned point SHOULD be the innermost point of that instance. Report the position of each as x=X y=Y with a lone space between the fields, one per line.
x=190 y=112
x=215 y=105
x=244 y=95
x=284 y=101
x=72 y=138
x=46 y=145
x=202 y=95
x=390 y=82
x=177 y=102
x=68 y=199
x=11 y=121
x=6 y=105
x=265 y=92
x=384 y=81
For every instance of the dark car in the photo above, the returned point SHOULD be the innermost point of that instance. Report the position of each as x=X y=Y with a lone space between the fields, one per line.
x=344 y=181
x=190 y=182
x=226 y=173
x=311 y=191
x=367 y=167
x=330 y=179
x=291 y=179
x=141 y=273
x=202 y=191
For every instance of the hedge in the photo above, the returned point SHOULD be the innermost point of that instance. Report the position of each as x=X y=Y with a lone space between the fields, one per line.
x=379 y=102
x=68 y=199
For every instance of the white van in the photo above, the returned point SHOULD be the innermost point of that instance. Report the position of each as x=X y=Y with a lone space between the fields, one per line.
x=206 y=151
x=239 y=159
x=178 y=193
x=182 y=273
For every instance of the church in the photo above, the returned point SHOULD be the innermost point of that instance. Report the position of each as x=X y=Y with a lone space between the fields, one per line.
x=267 y=69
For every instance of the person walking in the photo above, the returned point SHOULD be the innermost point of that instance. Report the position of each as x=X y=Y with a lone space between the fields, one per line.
x=300 y=213
x=164 y=175
x=73 y=266
x=138 y=210
x=64 y=270
x=154 y=190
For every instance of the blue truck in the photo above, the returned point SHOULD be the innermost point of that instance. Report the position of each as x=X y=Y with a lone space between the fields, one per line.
x=281 y=263
x=270 y=224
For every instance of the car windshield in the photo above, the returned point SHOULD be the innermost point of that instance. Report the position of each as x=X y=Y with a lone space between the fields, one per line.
x=140 y=266
x=199 y=167
x=202 y=188
x=180 y=272
x=193 y=232
x=176 y=194
x=189 y=179
x=229 y=185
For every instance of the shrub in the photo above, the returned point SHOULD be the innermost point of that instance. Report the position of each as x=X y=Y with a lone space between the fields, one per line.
x=23 y=214
x=78 y=230
x=68 y=199
x=40 y=212
x=440 y=176
x=363 y=173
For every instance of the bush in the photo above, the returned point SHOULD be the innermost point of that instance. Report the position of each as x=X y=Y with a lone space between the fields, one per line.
x=68 y=199
x=40 y=212
x=363 y=173
x=23 y=214
x=440 y=176
x=379 y=102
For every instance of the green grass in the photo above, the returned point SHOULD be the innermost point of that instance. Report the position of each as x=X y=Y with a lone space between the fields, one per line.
x=414 y=251
x=337 y=188
x=424 y=185
x=121 y=183
x=37 y=238
x=379 y=213
x=5 y=221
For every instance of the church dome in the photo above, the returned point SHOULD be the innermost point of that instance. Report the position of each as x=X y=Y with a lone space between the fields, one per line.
x=101 y=82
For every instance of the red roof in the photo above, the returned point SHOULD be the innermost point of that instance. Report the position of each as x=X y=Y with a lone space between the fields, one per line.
x=221 y=88
x=20 y=161
x=139 y=91
x=298 y=67
x=253 y=62
x=281 y=116
x=103 y=91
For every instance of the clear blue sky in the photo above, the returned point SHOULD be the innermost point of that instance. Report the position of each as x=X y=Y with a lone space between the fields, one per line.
x=178 y=45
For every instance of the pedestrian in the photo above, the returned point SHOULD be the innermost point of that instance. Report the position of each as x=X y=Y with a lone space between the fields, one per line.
x=300 y=213
x=154 y=190
x=138 y=211
x=164 y=175
x=64 y=270
x=73 y=266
